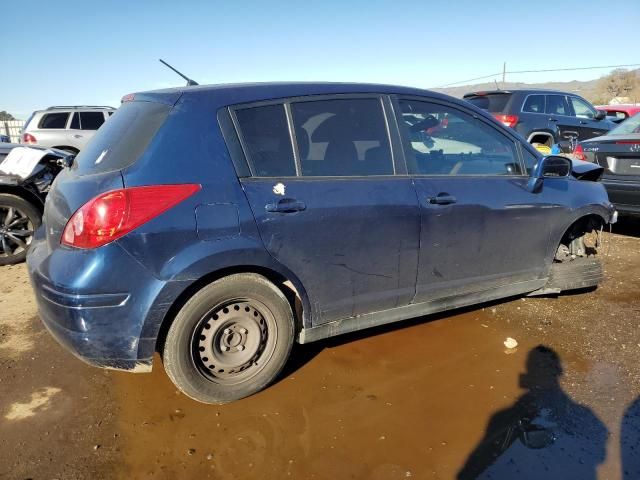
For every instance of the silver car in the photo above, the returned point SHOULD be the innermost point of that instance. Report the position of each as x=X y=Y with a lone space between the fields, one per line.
x=66 y=128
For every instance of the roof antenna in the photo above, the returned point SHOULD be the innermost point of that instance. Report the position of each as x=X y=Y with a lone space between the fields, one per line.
x=189 y=81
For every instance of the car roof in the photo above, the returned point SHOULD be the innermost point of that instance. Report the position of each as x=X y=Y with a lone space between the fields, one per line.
x=518 y=90
x=230 y=94
x=74 y=108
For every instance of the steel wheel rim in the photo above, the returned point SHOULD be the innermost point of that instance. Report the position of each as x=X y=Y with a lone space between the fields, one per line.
x=16 y=231
x=234 y=341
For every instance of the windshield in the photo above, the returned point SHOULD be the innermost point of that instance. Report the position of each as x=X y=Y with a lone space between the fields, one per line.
x=123 y=137
x=630 y=125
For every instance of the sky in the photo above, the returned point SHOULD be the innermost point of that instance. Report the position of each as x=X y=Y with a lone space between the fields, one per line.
x=93 y=52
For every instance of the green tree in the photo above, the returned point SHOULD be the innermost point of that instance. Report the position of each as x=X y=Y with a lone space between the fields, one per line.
x=4 y=116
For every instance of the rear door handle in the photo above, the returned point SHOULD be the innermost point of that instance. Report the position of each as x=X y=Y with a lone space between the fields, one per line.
x=285 y=205
x=442 y=199
x=553 y=119
x=77 y=136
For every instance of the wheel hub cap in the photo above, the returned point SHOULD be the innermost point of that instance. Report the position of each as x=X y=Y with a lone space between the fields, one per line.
x=231 y=339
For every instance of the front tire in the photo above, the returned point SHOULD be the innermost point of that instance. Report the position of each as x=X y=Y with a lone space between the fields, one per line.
x=230 y=340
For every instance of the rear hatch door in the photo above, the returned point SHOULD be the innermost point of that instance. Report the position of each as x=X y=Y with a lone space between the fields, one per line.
x=118 y=143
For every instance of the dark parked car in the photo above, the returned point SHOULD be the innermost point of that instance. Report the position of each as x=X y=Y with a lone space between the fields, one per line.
x=544 y=117
x=619 y=153
x=218 y=224
x=22 y=200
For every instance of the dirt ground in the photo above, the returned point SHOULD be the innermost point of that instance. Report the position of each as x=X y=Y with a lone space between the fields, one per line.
x=438 y=397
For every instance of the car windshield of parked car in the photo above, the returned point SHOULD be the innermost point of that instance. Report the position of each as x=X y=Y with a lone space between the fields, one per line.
x=630 y=125
x=447 y=141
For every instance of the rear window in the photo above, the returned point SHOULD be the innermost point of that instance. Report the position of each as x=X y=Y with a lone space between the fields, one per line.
x=54 y=120
x=534 y=104
x=495 y=102
x=124 y=137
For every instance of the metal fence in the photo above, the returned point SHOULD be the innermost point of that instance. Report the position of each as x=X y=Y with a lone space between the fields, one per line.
x=12 y=129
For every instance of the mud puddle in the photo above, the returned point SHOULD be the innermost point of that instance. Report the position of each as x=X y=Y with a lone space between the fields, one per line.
x=441 y=398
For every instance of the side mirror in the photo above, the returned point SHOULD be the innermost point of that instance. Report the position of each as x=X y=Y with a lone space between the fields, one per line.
x=600 y=115
x=550 y=166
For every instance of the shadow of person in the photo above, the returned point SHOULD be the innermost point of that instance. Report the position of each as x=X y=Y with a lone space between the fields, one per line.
x=630 y=442
x=545 y=434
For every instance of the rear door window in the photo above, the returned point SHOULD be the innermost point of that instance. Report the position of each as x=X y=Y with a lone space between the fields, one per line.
x=557 y=105
x=266 y=140
x=91 y=120
x=124 y=137
x=534 y=104
x=54 y=120
x=342 y=137
x=447 y=141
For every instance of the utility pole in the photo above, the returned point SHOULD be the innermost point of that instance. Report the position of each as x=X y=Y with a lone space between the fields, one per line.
x=504 y=73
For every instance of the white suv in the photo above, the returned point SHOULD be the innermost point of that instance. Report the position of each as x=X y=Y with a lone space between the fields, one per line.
x=65 y=128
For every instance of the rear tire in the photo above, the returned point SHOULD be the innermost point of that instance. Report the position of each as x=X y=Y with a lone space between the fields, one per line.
x=18 y=222
x=230 y=340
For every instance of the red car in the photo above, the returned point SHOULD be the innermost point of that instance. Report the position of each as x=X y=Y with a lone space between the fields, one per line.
x=618 y=113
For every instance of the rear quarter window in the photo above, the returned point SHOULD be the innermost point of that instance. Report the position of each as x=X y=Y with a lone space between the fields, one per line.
x=124 y=138
x=54 y=120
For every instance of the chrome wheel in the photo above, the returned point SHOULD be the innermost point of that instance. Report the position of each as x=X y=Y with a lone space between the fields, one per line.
x=16 y=231
x=234 y=341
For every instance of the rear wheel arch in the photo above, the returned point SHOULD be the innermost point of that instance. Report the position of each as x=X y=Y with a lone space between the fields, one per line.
x=67 y=148
x=25 y=194
x=542 y=137
x=286 y=282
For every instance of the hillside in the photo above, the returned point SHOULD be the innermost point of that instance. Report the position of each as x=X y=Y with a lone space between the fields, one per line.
x=587 y=89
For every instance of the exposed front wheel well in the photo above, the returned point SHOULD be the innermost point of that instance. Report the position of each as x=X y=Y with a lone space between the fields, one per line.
x=284 y=284
x=579 y=228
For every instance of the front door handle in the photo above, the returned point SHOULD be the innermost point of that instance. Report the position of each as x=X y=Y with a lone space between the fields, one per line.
x=582 y=122
x=285 y=205
x=553 y=119
x=442 y=199
x=77 y=136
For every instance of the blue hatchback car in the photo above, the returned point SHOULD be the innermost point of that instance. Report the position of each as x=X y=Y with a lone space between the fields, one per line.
x=219 y=224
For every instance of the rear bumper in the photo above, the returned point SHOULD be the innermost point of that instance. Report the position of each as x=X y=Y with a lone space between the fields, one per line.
x=625 y=195
x=103 y=328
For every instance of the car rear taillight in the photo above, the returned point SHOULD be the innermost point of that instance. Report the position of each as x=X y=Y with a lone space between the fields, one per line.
x=508 y=120
x=113 y=214
x=628 y=142
x=578 y=152
x=28 y=138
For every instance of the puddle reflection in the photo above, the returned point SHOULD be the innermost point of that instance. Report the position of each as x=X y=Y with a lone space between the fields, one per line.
x=545 y=434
